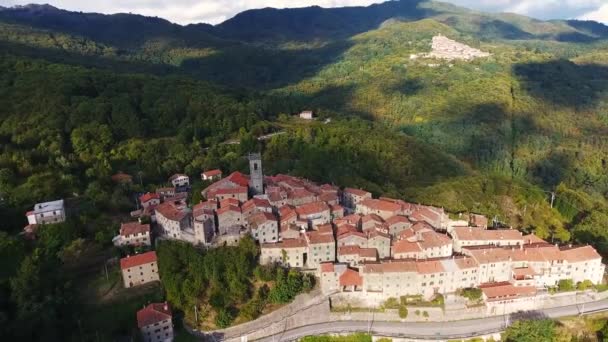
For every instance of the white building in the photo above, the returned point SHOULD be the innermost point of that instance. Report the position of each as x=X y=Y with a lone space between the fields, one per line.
x=133 y=234
x=47 y=212
x=155 y=322
x=179 y=180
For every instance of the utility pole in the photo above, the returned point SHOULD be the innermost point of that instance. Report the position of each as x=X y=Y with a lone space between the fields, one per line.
x=196 y=315
x=552 y=198
x=105 y=266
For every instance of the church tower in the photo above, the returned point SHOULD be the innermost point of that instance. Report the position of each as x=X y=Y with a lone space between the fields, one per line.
x=256 y=176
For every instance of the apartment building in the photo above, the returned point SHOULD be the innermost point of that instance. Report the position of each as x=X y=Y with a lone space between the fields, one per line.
x=351 y=197
x=139 y=269
x=155 y=322
x=47 y=213
x=469 y=236
x=264 y=227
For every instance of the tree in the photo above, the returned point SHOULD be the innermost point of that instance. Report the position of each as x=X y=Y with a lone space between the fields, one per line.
x=224 y=318
x=403 y=311
x=566 y=285
x=537 y=330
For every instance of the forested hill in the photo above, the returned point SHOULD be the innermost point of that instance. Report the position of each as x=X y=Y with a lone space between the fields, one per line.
x=532 y=115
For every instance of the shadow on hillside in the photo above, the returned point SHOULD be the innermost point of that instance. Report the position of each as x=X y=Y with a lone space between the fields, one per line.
x=258 y=67
x=501 y=29
x=409 y=86
x=564 y=83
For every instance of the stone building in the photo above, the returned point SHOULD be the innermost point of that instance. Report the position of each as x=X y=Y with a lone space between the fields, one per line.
x=155 y=322
x=139 y=269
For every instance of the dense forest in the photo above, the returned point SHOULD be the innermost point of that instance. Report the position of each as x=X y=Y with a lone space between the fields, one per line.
x=84 y=96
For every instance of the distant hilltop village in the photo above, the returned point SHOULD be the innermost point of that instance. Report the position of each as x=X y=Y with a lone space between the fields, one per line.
x=359 y=246
x=448 y=49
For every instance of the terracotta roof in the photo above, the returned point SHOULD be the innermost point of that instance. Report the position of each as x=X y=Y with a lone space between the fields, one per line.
x=466 y=263
x=325 y=228
x=531 y=238
x=256 y=203
x=336 y=207
x=229 y=191
x=346 y=228
x=261 y=217
x=286 y=243
x=351 y=278
x=580 y=253
x=371 y=217
x=311 y=208
x=175 y=211
x=133 y=228
x=351 y=233
x=137 y=260
x=229 y=208
x=378 y=234
x=523 y=271
x=153 y=313
x=404 y=246
x=500 y=291
x=315 y=237
x=391 y=266
x=328 y=197
x=212 y=173
x=432 y=239
x=327 y=267
x=357 y=192
x=376 y=204
x=396 y=220
x=356 y=250
x=478 y=234
x=427 y=214
x=299 y=194
x=148 y=196
x=229 y=201
x=429 y=266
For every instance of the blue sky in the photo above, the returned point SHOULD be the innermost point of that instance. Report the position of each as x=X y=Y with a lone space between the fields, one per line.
x=216 y=11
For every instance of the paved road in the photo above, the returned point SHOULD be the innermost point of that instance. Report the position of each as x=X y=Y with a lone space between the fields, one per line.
x=432 y=330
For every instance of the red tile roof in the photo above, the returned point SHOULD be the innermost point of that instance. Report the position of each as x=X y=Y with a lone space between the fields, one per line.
x=137 y=260
x=261 y=218
x=286 y=243
x=351 y=278
x=315 y=237
x=478 y=234
x=405 y=246
x=357 y=192
x=153 y=313
x=148 y=196
x=312 y=208
x=133 y=228
x=327 y=267
x=175 y=211
x=371 y=253
x=229 y=208
x=504 y=290
x=396 y=220
x=122 y=178
x=228 y=191
x=212 y=173
x=230 y=201
x=376 y=204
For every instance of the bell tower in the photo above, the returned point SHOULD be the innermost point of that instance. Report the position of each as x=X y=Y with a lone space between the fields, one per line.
x=256 y=176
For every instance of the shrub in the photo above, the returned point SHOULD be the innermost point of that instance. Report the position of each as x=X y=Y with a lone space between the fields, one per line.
x=584 y=285
x=224 y=318
x=566 y=285
x=425 y=314
x=391 y=303
x=403 y=312
x=541 y=330
x=417 y=312
x=439 y=300
x=472 y=294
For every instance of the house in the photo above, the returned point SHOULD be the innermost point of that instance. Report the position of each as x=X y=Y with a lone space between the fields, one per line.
x=337 y=211
x=155 y=322
x=355 y=255
x=382 y=208
x=165 y=193
x=264 y=227
x=204 y=222
x=212 y=175
x=351 y=197
x=290 y=231
x=47 y=213
x=240 y=193
x=256 y=205
x=468 y=236
x=372 y=222
x=352 y=238
x=298 y=197
x=133 y=234
x=149 y=200
x=381 y=242
x=321 y=247
x=314 y=213
x=234 y=180
x=173 y=217
x=396 y=224
x=436 y=217
x=292 y=253
x=139 y=269
x=339 y=278
x=229 y=216
x=422 y=245
x=179 y=180
x=307 y=115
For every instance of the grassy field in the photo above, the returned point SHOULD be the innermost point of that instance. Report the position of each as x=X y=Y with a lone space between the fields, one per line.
x=585 y=328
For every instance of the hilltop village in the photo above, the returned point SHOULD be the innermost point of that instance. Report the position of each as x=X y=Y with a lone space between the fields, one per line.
x=360 y=247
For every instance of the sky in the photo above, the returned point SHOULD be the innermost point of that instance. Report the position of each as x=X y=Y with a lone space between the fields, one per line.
x=216 y=11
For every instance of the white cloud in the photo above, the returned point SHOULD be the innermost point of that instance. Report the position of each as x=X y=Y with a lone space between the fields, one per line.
x=216 y=11
x=600 y=15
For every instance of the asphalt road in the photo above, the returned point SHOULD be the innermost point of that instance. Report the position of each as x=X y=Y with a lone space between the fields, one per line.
x=434 y=330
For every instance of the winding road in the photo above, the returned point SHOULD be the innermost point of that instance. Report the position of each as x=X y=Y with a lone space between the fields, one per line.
x=433 y=330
